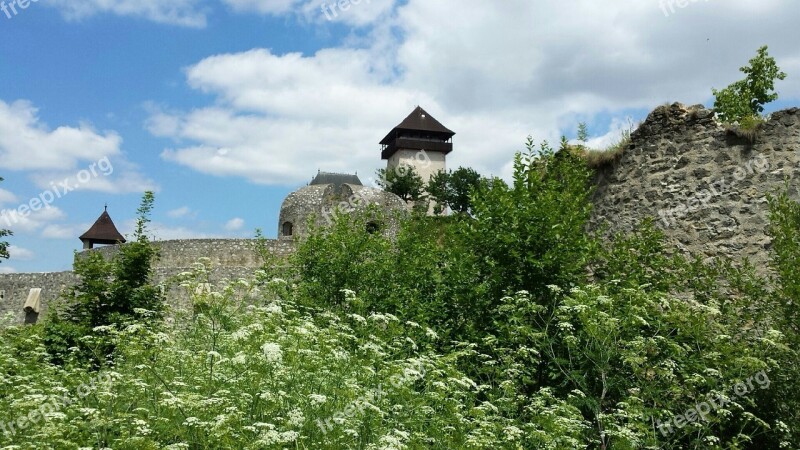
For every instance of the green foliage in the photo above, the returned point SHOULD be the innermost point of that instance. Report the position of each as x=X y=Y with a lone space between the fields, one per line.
x=454 y=189
x=583 y=133
x=533 y=233
x=4 y=244
x=110 y=293
x=745 y=99
x=511 y=328
x=785 y=232
x=403 y=181
x=278 y=376
x=344 y=258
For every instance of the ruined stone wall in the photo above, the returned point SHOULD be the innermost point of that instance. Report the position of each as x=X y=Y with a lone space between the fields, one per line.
x=16 y=286
x=230 y=259
x=183 y=253
x=706 y=186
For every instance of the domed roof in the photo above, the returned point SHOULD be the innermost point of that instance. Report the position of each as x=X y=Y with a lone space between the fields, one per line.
x=322 y=201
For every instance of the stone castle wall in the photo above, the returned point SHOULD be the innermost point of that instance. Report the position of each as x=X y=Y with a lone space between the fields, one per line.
x=183 y=253
x=16 y=286
x=706 y=186
x=230 y=259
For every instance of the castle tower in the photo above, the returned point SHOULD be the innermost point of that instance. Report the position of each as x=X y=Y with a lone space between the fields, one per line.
x=419 y=141
x=103 y=232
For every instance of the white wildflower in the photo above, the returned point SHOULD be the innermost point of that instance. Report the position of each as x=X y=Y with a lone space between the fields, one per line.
x=272 y=352
x=431 y=334
x=318 y=399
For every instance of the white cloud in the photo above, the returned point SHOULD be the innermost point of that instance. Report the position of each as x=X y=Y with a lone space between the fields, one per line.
x=234 y=224
x=7 y=269
x=87 y=159
x=352 y=12
x=183 y=211
x=188 y=13
x=7 y=197
x=162 y=232
x=19 y=253
x=614 y=134
x=64 y=231
x=493 y=75
x=29 y=221
x=27 y=144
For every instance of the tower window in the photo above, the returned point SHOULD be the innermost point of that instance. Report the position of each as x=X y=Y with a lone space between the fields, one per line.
x=287 y=229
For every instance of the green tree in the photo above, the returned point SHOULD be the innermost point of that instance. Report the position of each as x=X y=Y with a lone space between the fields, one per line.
x=110 y=293
x=403 y=181
x=583 y=133
x=745 y=99
x=454 y=189
x=3 y=244
x=533 y=233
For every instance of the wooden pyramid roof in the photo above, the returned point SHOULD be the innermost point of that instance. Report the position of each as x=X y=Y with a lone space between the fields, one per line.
x=419 y=120
x=103 y=231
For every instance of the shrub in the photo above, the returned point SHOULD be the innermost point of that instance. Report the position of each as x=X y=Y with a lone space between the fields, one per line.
x=745 y=99
x=109 y=293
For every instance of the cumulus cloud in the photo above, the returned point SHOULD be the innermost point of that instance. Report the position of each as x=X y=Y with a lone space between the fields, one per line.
x=234 y=224
x=29 y=221
x=352 y=12
x=161 y=232
x=64 y=231
x=19 y=253
x=493 y=75
x=7 y=197
x=27 y=144
x=179 y=213
x=187 y=13
x=81 y=157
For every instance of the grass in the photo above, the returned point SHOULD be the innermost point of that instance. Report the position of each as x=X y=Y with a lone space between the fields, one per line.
x=748 y=128
x=601 y=158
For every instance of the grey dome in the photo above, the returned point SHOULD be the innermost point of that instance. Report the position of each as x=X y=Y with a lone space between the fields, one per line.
x=321 y=201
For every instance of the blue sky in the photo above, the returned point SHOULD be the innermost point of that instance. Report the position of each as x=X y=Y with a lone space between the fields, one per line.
x=223 y=107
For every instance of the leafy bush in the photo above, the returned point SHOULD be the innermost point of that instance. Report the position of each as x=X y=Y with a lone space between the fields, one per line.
x=403 y=181
x=745 y=99
x=109 y=293
x=3 y=244
x=454 y=189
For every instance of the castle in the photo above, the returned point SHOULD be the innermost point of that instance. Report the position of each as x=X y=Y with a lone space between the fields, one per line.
x=705 y=184
x=419 y=141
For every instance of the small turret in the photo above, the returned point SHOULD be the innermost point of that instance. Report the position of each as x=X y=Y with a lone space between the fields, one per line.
x=103 y=232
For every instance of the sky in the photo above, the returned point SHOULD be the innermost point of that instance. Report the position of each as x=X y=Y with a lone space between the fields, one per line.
x=223 y=107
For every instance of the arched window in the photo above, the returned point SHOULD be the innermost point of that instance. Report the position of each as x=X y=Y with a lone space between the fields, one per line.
x=287 y=229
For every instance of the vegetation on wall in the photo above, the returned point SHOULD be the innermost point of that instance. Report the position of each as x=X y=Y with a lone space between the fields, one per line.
x=743 y=102
x=4 y=244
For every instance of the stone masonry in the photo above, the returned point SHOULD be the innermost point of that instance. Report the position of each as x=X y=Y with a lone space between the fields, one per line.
x=705 y=185
x=230 y=258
